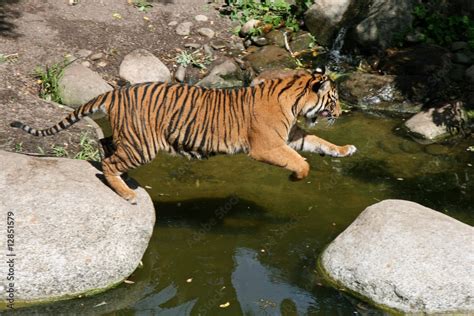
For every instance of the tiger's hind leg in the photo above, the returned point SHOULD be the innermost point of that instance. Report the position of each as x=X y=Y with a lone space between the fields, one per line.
x=302 y=141
x=283 y=156
x=113 y=167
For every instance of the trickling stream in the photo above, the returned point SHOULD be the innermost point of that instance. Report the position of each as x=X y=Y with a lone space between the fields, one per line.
x=234 y=236
x=335 y=54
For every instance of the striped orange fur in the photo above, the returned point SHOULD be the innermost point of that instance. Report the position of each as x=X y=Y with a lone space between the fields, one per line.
x=197 y=122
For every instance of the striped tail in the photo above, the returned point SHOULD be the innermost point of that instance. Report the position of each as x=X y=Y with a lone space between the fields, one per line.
x=89 y=108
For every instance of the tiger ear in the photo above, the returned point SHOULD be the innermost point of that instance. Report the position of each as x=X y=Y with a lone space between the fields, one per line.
x=319 y=70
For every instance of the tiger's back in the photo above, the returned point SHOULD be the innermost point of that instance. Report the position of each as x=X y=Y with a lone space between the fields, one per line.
x=188 y=120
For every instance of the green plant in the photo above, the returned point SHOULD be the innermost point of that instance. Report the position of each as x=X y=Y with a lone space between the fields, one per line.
x=440 y=28
x=48 y=79
x=142 y=5
x=277 y=13
x=59 y=151
x=89 y=150
x=19 y=147
x=186 y=58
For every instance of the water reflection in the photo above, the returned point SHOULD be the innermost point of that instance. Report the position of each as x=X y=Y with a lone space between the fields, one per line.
x=260 y=290
x=151 y=304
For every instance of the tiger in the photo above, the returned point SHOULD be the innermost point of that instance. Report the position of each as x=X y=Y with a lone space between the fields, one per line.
x=197 y=122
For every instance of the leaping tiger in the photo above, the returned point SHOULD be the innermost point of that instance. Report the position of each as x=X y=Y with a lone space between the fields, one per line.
x=194 y=121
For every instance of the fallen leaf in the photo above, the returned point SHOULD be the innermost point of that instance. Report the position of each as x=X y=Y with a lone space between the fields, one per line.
x=100 y=304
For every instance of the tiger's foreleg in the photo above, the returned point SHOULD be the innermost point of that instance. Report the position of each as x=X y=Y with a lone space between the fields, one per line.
x=302 y=141
x=283 y=156
x=113 y=167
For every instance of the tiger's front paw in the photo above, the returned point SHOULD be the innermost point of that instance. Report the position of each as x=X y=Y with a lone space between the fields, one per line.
x=348 y=150
x=130 y=196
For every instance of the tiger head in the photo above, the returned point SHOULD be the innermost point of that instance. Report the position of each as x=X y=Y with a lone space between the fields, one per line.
x=321 y=99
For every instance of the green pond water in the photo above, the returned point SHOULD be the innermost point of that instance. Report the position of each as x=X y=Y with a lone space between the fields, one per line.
x=232 y=231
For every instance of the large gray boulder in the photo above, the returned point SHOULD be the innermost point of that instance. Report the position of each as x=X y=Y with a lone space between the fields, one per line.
x=142 y=66
x=325 y=18
x=407 y=257
x=73 y=235
x=383 y=21
x=79 y=84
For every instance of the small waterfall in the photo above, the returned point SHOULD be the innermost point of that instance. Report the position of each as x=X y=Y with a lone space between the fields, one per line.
x=335 y=52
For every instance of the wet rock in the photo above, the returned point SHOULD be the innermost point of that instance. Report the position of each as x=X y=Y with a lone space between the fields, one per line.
x=259 y=40
x=180 y=73
x=83 y=53
x=376 y=93
x=204 y=31
x=270 y=57
x=96 y=56
x=201 y=18
x=437 y=150
x=276 y=37
x=410 y=147
x=381 y=24
x=76 y=235
x=462 y=58
x=455 y=46
x=142 y=66
x=184 y=28
x=457 y=72
x=79 y=84
x=218 y=44
x=470 y=74
x=407 y=257
x=249 y=26
x=436 y=124
x=326 y=17
x=415 y=37
x=301 y=41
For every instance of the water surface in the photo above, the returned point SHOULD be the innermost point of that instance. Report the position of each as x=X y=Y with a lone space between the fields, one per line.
x=234 y=236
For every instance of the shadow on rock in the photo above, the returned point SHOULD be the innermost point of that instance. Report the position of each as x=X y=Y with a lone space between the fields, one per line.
x=420 y=71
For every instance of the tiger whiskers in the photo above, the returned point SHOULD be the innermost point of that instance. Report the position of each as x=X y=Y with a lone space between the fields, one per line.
x=331 y=120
